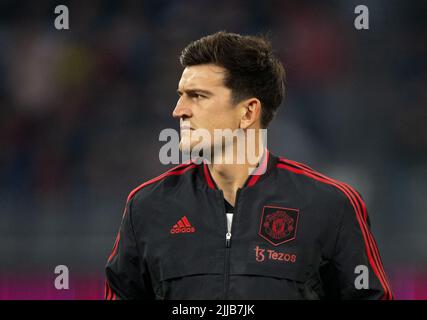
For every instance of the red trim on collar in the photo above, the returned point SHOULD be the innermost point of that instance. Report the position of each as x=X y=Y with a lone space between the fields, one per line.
x=251 y=180
x=208 y=177
x=260 y=170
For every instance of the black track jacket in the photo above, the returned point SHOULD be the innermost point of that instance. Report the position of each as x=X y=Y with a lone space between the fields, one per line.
x=296 y=234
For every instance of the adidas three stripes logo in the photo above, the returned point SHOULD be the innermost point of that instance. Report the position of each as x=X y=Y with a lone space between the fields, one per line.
x=183 y=226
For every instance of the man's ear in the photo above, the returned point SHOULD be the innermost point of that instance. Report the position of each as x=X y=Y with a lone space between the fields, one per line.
x=251 y=113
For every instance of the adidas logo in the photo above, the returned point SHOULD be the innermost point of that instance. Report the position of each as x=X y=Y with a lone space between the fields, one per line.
x=183 y=226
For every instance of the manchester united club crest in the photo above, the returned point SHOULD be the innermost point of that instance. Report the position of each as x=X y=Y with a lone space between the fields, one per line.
x=278 y=225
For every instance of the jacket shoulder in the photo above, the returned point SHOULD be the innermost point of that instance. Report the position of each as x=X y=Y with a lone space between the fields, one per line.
x=310 y=179
x=167 y=179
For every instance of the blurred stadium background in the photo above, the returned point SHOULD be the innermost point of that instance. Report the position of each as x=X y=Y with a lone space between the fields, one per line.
x=81 y=111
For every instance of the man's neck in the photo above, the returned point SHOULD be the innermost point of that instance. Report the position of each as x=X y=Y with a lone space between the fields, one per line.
x=230 y=177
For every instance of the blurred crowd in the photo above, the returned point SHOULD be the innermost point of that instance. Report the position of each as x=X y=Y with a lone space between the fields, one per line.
x=81 y=111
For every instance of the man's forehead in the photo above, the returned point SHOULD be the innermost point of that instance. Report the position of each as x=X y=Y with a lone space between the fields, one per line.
x=202 y=75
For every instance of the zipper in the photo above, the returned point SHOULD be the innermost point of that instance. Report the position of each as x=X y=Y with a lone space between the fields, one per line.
x=228 y=239
x=228 y=235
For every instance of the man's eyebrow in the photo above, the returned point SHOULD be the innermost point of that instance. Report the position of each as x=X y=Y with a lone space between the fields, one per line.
x=195 y=90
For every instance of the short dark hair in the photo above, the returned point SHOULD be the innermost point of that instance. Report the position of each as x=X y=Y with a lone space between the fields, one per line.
x=252 y=70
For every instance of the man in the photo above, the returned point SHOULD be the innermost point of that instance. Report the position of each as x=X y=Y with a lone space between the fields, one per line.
x=216 y=230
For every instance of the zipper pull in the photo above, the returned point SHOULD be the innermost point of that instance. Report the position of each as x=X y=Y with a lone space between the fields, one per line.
x=228 y=239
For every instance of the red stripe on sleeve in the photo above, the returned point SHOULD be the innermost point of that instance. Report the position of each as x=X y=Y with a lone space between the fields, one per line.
x=370 y=245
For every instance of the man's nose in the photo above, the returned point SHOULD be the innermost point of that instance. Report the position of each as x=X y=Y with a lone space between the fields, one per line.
x=182 y=110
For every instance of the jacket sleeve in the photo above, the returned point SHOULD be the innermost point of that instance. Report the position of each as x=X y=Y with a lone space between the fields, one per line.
x=126 y=275
x=357 y=261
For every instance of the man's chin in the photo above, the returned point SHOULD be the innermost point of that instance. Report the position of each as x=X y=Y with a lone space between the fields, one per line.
x=193 y=148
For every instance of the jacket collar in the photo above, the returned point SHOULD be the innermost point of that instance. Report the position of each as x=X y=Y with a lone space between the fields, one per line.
x=266 y=164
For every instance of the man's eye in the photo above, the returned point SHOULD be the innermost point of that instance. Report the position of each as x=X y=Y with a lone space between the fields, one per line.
x=196 y=95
